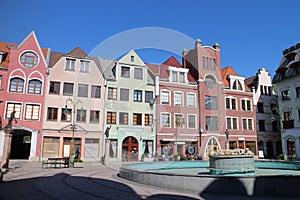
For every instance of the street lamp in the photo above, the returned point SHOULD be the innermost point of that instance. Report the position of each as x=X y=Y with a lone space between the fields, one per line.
x=73 y=126
x=227 y=142
x=200 y=134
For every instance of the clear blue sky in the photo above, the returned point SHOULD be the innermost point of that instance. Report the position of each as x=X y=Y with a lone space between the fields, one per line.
x=251 y=33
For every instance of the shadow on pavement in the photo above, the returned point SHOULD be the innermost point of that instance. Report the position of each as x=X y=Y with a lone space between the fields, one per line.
x=65 y=186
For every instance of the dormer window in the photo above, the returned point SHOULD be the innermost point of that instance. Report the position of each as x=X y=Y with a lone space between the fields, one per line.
x=70 y=64
x=178 y=77
x=237 y=85
x=84 y=66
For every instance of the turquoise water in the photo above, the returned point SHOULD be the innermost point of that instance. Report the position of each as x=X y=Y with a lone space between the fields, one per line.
x=262 y=168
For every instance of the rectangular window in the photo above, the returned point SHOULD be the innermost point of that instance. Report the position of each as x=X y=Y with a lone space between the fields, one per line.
x=174 y=77
x=94 y=116
x=191 y=121
x=66 y=115
x=148 y=96
x=210 y=103
x=211 y=123
x=181 y=77
x=247 y=124
x=261 y=125
x=13 y=107
x=132 y=58
x=138 y=73
x=111 y=118
x=112 y=93
x=125 y=72
x=113 y=148
x=260 y=107
x=83 y=90
x=68 y=89
x=191 y=100
x=137 y=119
x=164 y=98
x=124 y=94
x=80 y=115
x=123 y=118
x=137 y=95
x=0 y=82
x=285 y=95
x=32 y=111
x=52 y=114
x=179 y=121
x=232 y=123
x=148 y=119
x=96 y=91
x=165 y=120
x=246 y=105
x=84 y=66
x=54 y=87
x=70 y=65
x=178 y=99
x=297 y=91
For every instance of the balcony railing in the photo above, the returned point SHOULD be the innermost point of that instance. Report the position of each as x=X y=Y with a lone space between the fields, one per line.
x=288 y=124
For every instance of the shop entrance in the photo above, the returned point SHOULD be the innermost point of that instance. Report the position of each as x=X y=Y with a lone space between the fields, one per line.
x=130 y=149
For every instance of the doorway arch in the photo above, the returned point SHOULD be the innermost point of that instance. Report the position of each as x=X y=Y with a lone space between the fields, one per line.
x=20 y=144
x=130 y=149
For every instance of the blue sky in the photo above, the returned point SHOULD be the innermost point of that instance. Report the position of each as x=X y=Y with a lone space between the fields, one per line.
x=251 y=33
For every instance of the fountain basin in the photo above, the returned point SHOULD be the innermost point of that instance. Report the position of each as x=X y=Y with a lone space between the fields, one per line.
x=279 y=178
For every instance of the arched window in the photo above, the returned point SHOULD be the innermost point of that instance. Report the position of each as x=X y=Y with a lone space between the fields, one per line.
x=16 y=85
x=35 y=87
x=210 y=82
x=237 y=85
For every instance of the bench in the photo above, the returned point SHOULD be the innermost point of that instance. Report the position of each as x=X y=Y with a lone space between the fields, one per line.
x=56 y=163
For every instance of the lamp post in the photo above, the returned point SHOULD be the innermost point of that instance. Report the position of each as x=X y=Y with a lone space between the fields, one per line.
x=73 y=126
x=200 y=135
x=227 y=142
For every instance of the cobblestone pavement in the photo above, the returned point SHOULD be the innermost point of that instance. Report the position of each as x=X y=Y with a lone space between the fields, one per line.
x=27 y=180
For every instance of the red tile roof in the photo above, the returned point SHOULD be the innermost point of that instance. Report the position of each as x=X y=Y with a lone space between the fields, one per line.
x=77 y=52
x=229 y=71
x=4 y=47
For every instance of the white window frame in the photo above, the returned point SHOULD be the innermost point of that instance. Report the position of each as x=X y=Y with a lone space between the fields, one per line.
x=247 y=124
x=188 y=101
x=18 y=109
x=32 y=111
x=69 y=66
x=161 y=119
x=230 y=103
x=246 y=102
x=163 y=97
x=85 y=66
x=177 y=99
x=231 y=123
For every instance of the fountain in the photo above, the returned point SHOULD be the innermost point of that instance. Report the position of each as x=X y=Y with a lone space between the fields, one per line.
x=237 y=161
x=227 y=172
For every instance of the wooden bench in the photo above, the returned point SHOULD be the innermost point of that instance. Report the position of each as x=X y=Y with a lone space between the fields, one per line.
x=56 y=163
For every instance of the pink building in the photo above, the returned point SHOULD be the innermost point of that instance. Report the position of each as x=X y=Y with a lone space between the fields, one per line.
x=240 y=111
x=177 y=109
x=23 y=83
